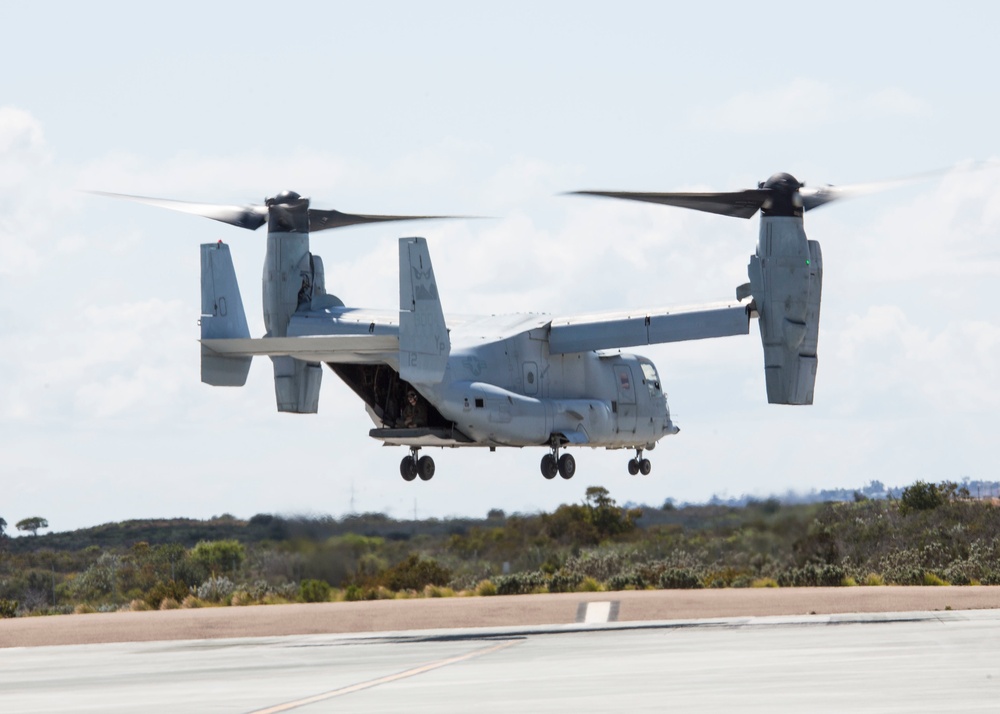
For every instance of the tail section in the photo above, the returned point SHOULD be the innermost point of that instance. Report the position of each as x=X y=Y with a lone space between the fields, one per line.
x=222 y=317
x=424 y=344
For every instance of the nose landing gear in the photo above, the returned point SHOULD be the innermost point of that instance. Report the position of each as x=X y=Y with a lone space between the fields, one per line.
x=411 y=466
x=639 y=464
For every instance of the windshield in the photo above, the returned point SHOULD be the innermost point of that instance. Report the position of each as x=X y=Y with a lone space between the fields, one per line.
x=652 y=380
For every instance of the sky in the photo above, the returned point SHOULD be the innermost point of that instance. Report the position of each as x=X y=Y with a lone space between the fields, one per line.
x=464 y=108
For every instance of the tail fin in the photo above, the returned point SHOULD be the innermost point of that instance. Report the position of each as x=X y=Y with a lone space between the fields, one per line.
x=222 y=316
x=424 y=345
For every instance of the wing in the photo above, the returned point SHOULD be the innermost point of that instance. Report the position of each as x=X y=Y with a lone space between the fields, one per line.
x=602 y=331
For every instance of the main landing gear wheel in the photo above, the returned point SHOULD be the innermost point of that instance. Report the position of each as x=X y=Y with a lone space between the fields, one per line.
x=408 y=468
x=425 y=468
x=411 y=466
x=567 y=466
x=550 y=466
x=639 y=464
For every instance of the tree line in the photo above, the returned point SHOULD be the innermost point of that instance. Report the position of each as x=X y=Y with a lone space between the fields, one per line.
x=931 y=534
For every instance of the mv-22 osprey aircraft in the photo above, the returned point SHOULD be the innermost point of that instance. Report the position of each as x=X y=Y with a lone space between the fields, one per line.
x=428 y=379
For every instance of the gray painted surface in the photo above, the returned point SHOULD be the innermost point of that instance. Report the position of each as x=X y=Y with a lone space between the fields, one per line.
x=940 y=661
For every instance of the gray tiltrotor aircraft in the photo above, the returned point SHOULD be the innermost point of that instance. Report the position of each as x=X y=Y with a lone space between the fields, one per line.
x=501 y=380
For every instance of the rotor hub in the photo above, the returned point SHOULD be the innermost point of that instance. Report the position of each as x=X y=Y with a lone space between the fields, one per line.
x=285 y=198
x=783 y=197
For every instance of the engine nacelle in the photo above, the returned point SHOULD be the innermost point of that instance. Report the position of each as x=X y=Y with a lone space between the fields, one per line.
x=786 y=279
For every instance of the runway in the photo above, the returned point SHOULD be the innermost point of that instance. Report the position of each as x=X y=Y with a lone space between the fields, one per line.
x=916 y=661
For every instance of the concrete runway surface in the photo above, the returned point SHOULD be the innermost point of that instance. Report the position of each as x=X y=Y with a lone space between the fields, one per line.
x=596 y=657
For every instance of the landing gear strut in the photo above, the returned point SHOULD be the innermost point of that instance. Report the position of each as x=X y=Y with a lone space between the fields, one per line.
x=639 y=464
x=411 y=466
x=553 y=463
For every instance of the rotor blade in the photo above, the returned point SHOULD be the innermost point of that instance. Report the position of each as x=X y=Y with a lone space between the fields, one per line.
x=249 y=217
x=320 y=220
x=816 y=197
x=738 y=204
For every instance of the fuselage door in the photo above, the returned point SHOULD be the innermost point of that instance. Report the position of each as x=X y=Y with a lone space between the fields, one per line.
x=530 y=377
x=626 y=398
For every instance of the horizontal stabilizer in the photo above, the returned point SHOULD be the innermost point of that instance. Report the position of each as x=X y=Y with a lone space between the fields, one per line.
x=324 y=348
x=613 y=330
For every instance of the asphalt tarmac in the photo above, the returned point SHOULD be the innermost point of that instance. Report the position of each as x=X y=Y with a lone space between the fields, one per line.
x=555 y=653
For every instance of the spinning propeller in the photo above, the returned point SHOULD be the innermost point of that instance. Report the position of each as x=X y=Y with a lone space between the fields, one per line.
x=253 y=216
x=780 y=195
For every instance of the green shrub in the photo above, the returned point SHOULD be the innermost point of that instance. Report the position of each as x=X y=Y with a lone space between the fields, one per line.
x=486 y=588
x=563 y=582
x=632 y=580
x=812 y=575
x=519 y=583
x=314 y=591
x=415 y=573
x=921 y=496
x=438 y=591
x=679 y=579
x=163 y=590
x=8 y=608
x=933 y=579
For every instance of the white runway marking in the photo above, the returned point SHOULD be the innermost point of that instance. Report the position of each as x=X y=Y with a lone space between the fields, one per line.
x=384 y=680
x=597 y=612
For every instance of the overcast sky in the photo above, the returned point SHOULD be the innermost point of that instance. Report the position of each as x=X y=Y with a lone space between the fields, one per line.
x=440 y=107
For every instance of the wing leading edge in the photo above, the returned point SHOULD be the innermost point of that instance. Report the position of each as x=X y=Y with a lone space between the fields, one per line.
x=602 y=331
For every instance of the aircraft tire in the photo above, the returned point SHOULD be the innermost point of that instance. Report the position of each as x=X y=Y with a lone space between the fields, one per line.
x=633 y=466
x=549 y=466
x=408 y=468
x=645 y=467
x=567 y=466
x=425 y=468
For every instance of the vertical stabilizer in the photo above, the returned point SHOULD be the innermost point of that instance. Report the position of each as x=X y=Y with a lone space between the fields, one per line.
x=424 y=345
x=222 y=316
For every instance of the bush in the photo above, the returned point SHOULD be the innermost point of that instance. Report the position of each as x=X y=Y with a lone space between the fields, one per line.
x=933 y=579
x=191 y=602
x=679 y=579
x=632 y=580
x=486 y=588
x=921 y=496
x=314 y=591
x=415 y=573
x=563 y=582
x=168 y=603
x=170 y=589
x=216 y=589
x=519 y=583
x=438 y=591
x=813 y=575
x=8 y=608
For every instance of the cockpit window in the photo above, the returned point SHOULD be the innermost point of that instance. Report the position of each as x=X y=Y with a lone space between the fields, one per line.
x=652 y=380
